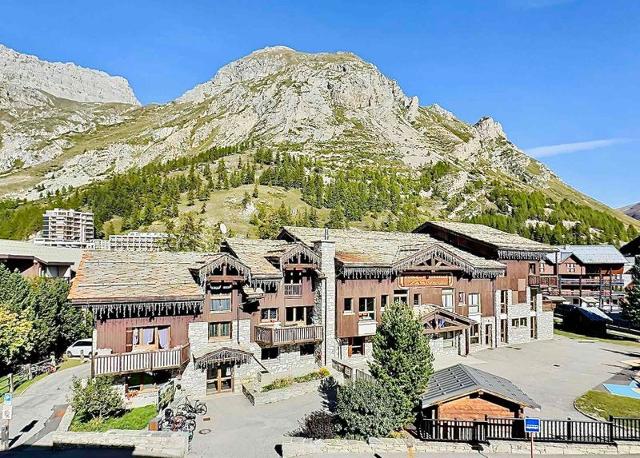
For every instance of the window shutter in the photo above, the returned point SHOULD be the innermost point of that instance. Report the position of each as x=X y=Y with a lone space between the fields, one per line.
x=129 y=340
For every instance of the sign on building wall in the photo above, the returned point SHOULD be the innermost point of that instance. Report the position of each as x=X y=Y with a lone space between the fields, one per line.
x=426 y=280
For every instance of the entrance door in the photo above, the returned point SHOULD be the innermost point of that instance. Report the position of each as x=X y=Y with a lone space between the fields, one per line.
x=488 y=335
x=220 y=378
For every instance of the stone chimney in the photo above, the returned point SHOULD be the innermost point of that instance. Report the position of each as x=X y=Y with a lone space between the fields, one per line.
x=326 y=301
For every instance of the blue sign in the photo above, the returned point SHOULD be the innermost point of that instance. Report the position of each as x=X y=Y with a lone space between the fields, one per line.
x=8 y=398
x=531 y=425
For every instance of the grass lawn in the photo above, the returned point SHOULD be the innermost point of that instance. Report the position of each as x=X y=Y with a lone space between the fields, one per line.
x=68 y=363
x=612 y=339
x=601 y=404
x=137 y=418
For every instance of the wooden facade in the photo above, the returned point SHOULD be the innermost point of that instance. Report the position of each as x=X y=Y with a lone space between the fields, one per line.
x=392 y=289
x=476 y=406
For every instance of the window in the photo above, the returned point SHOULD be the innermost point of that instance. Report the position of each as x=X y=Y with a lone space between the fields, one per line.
x=571 y=267
x=401 y=295
x=514 y=323
x=532 y=268
x=269 y=315
x=384 y=301
x=417 y=299
x=543 y=267
x=447 y=299
x=307 y=349
x=220 y=304
x=220 y=330
x=348 y=305
x=367 y=308
x=504 y=297
x=533 y=296
x=148 y=338
x=474 y=302
x=269 y=353
x=474 y=334
x=523 y=322
x=461 y=298
x=292 y=283
x=299 y=315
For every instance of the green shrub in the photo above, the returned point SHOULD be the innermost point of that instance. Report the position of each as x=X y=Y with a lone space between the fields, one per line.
x=319 y=424
x=278 y=384
x=288 y=381
x=365 y=409
x=97 y=400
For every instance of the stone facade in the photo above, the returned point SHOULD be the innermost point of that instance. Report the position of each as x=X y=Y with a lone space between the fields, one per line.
x=290 y=361
x=520 y=333
x=327 y=296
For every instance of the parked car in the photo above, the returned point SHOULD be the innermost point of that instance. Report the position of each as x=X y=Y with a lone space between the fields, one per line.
x=80 y=348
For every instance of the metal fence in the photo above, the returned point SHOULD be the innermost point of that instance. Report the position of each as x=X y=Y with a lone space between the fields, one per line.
x=572 y=431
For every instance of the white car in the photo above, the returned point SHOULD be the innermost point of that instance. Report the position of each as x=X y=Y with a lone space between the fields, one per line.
x=80 y=348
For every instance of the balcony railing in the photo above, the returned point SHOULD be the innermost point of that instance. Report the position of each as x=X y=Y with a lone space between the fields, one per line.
x=591 y=281
x=543 y=280
x=293 y=289
x=277 y=335
x=140 y=361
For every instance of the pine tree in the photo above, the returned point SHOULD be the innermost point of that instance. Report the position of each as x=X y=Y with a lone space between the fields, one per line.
x=402 y=360
x=631 y=304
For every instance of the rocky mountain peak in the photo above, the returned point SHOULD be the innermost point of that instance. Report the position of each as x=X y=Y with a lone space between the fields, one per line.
x=488 y=128
x=64 y=80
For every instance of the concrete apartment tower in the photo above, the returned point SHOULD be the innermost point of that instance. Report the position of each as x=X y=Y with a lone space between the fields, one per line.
x=327 y=296
x=68 y=228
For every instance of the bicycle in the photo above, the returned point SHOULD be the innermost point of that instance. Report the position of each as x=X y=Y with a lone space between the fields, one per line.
x=198 y=407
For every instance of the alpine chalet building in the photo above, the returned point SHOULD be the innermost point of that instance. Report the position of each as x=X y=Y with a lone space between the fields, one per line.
x=287 y=306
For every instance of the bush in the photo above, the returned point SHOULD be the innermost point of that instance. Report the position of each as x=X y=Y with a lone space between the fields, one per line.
x=365 y=409
x=278 y=384
x=319 y=424
x=98 y=399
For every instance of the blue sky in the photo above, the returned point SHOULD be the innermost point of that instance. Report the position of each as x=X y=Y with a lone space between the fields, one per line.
x=562 y=76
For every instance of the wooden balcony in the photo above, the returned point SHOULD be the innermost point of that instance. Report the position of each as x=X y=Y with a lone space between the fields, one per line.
x=140 y=361
x=277 y=335
x=543 y=281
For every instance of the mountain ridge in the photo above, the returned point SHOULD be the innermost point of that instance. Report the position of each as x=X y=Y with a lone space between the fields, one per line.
x=334 y=108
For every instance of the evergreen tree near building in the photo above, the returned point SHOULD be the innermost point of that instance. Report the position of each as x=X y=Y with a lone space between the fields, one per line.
x=402 y=359
x=631 y=304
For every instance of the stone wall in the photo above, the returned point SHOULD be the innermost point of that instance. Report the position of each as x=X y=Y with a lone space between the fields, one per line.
x=298 y=446
x=327 y=297
x=545 y=325
x=289 y=359
x=520 y=334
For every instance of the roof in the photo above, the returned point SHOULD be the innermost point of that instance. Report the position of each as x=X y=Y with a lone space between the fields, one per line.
x=135 y=276
x=595 y=254
x=460 y=380
x=632 y=248
x=255 y=254
x=356 y=247
x=594 y=314
x=562 y=256
x=496 y=238
x=15 y=249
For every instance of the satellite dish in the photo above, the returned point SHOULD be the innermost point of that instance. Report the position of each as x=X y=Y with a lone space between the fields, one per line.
x=223 y=228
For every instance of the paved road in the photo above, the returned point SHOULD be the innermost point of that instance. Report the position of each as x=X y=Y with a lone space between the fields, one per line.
x=32 y=408
x=553 y=373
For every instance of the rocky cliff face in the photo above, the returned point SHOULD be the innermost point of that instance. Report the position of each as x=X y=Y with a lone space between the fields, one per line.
x=63 y=80
x=336 y=107
x=43 y=104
